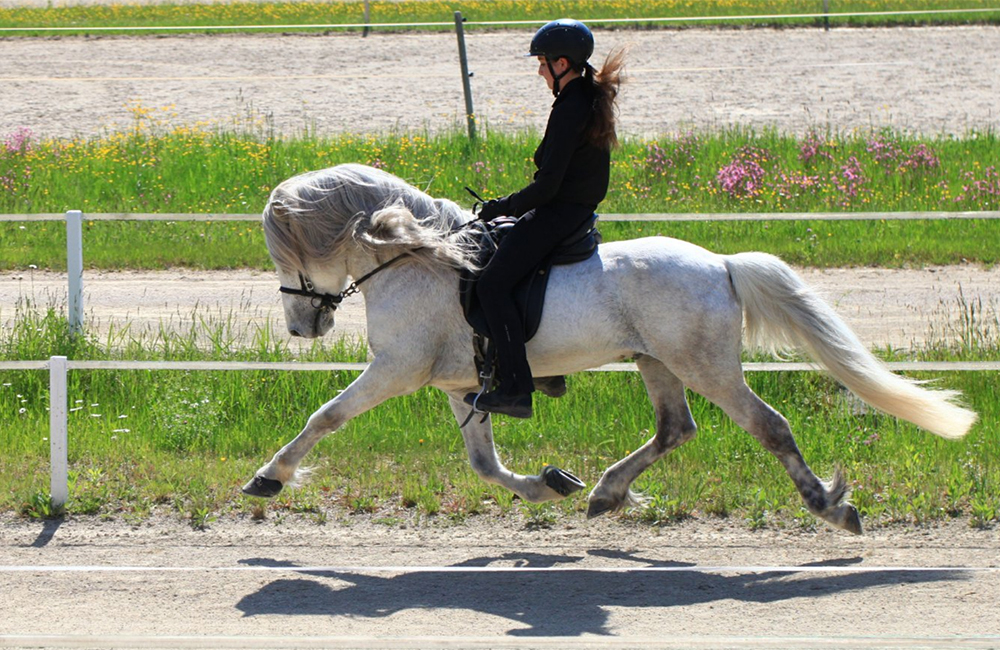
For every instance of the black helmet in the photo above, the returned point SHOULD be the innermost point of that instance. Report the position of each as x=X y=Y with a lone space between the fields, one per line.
x=563 y=38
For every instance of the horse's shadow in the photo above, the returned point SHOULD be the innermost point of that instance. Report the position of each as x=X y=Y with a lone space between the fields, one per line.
x=569 y=602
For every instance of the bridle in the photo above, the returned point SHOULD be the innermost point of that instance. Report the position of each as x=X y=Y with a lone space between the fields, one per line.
x=330 y=301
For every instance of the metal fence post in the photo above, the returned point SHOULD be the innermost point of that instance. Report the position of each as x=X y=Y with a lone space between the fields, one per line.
x=58 y=433
x=470 y=115
x=74 y=268
x=826 y=15
x=368 y=19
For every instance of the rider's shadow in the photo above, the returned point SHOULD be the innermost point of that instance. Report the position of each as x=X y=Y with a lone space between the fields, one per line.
x=568 y=602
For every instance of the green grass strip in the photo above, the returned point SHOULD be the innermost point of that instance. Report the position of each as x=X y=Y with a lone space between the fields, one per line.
x=156 y=167
x=199 y=17
x=180 y=443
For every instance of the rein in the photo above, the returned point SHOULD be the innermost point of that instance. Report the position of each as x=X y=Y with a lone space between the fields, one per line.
x=332 y=300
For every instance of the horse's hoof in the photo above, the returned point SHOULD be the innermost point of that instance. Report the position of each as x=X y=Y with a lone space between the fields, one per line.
x=551 y=386
x=599 y=506
x=262 y=487
x=852 y=522
x=562 y=481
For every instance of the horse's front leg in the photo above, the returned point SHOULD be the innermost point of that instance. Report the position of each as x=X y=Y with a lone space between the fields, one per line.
x=550 y=485
x=376 y=384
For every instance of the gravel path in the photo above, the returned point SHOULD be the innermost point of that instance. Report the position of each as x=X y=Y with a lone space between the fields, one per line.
x=931 y=80
x=932 y=587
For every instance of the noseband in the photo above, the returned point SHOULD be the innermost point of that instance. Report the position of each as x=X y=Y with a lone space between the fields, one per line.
x=322 y=301
x=319 y=300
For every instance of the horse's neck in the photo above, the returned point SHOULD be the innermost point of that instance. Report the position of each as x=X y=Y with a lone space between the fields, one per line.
x=414 y=273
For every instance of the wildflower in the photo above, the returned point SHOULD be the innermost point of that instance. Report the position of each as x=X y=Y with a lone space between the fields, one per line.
x=921 y=157
x=18 y=142
x=743 y=177
x=813 y=147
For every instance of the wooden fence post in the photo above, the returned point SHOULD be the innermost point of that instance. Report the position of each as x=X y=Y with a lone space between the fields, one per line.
x=470 y=115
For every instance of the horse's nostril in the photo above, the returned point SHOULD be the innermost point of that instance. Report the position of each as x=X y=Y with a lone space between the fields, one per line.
x=294 y=332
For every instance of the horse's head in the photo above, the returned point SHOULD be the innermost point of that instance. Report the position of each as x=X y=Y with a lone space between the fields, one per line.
x=309 y=304
x=312 y=280
x=324 y=227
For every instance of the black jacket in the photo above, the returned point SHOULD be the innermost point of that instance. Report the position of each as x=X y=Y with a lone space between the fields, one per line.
x=570 y=170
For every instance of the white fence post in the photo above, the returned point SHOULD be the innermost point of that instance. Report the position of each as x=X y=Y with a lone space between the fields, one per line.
x=74 y=268
x=58 y=432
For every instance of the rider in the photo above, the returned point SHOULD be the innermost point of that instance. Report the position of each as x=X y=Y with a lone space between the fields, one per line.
x=573 y=164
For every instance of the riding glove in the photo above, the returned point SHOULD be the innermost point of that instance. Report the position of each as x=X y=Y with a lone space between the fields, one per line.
x=494 y=208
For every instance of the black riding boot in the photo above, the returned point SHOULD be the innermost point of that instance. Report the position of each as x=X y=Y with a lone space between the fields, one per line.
x=516 y=405
x=513 y=394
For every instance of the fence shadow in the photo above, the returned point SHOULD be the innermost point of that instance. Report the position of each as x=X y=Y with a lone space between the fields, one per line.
x=569 y=602
x=48 y=531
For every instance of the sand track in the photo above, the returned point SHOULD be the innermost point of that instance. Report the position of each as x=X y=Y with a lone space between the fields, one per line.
x=931 y=80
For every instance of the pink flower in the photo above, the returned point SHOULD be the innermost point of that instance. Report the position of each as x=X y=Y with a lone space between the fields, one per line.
x=18 y=141
x=744 y=175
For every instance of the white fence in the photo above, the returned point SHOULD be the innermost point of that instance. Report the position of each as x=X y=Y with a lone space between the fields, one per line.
x=58 y=367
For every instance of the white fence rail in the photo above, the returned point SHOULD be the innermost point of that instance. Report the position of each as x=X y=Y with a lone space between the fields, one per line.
x=74 y=230
x=59 y=366
x=636 y=216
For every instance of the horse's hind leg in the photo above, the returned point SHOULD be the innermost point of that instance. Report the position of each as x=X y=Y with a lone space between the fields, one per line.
x=770 y=428
x=674 y=427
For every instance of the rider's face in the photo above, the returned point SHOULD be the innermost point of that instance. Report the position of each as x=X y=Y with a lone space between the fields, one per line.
x=559 y=65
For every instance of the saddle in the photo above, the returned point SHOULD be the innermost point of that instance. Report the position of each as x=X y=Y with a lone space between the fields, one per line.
x=529 y=294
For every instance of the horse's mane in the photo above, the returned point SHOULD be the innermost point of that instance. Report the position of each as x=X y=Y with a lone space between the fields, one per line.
x=312 y=215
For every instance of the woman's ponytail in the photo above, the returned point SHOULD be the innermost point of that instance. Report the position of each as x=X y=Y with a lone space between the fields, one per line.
x=606 y=84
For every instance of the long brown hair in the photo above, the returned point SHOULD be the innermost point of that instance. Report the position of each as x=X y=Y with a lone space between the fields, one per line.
x=605 y=84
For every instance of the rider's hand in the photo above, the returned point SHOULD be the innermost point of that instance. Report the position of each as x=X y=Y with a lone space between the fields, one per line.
x=493 y=209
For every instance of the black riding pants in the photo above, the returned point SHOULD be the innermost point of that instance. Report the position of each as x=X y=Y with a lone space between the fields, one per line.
x=530 y=241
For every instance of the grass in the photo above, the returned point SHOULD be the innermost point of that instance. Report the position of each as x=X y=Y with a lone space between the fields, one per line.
x=185 y=452
x=158 y=167
x=199 y=16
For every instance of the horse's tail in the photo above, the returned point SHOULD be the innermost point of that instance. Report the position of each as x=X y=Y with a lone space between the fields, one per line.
x=781 y=311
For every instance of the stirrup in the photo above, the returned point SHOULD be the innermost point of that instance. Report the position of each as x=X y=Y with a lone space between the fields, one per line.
x=487 y=378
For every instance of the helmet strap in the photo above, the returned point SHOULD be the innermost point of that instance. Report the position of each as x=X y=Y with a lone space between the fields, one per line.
x=556 y=77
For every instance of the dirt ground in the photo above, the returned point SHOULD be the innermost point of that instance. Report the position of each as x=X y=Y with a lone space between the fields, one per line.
x=896 y=587
x=931 y=80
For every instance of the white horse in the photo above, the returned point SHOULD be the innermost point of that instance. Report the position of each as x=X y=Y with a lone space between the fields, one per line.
x=677 y=309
